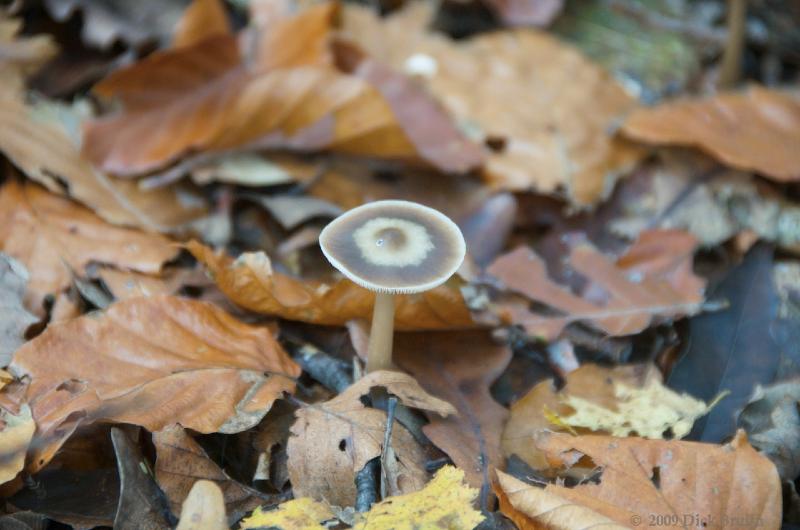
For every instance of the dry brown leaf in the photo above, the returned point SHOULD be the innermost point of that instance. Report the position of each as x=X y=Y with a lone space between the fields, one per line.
x=15 y=318
x=332 y=441
x=37 y=142
x=250 y=282
x=533 y=508
x=211 y=96
x=152 y=362
x=127 y=284
x=15 y=436
x=545 y=409
x=49 y=235
x=181 y=461
x=520 y=90
x=203 y=19
x=653 y=279
x=203 y=509
x=458 y=367
x=755 y=130
x=660 y=483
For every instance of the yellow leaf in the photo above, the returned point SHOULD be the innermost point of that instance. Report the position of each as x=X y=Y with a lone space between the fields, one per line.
x=444 y=503
x=297 y=514
x=649 y=411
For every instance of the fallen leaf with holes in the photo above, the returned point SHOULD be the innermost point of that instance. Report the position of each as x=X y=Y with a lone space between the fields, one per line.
x=650 y=480
x=152 y=362
x=296 y=514
x=37 y=140
x=213 y=96
x=756 y=130
x=49 y=235
x=250 y=282
x=14 y=441
x=203 y=509
x=16 y=319
x=333 y=440
x=21 y=56
x=622 y=401
x=459 y=367
x=772 y=421
x=653 y=280
x=445 y=502
x=518 y=91
x=181 y=461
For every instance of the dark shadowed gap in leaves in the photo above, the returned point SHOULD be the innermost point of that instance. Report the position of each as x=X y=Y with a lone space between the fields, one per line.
x=731 y=349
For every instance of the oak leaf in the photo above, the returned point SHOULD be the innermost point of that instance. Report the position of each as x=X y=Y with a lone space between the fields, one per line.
x=333 y=440
x=518 y=90
x=675 y=483
x=652 y=280
x=152 y=362
x=754 y=130
x=250 y=282
x=49 y=235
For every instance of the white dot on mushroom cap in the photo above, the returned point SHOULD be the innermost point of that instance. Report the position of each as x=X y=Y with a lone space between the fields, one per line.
x=422 y=65
x=393 y=242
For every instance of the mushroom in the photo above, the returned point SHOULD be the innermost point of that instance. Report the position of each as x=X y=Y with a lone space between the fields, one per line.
x=392 y=247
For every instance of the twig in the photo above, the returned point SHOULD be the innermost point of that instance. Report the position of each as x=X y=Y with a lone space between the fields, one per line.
x=391 y=405
x=332 y=373
x=731 y=69
x=367 y=485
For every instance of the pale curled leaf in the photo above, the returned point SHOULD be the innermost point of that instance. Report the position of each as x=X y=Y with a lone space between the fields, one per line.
x=333 y=440
x=152 y=362
x=14 y=441
x=755 y=130
x=203 y=508
x=250 y=282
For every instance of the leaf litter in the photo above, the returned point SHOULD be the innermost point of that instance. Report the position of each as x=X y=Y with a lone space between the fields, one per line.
x=179 y=352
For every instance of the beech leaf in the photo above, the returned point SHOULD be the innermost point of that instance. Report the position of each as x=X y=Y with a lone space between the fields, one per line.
x=250 y=282
x=152 y=362
x=755 y=130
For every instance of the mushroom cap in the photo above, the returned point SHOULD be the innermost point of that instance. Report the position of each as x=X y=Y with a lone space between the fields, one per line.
x=394 y=246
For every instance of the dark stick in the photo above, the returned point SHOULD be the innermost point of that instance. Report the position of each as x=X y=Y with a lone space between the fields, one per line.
x=391 y=405
x=367 y=485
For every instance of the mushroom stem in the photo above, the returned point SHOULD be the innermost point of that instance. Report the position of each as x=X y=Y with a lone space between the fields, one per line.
x=731 y=68
x=379 y=356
